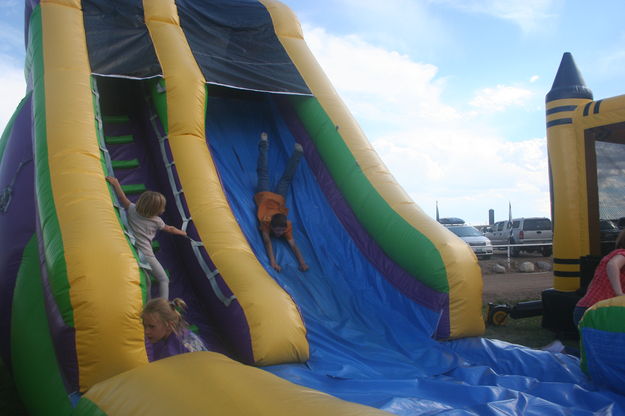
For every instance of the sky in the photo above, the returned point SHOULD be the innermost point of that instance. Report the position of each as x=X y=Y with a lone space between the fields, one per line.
x=451 y=93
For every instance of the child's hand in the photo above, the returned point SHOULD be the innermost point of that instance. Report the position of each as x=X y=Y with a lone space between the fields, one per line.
x=276 y=266
x=175 y=231
x=112 y=180
x=303 y=267
x=123 y=200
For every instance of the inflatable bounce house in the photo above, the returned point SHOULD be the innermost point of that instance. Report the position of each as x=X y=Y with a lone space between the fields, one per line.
x=586 y=143
x=172 y=95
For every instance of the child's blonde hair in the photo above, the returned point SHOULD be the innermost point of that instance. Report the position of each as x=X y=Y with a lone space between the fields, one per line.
x=150 y=204
x=170 y=312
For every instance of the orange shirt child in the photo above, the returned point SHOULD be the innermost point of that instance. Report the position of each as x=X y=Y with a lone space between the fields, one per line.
x=269 y=204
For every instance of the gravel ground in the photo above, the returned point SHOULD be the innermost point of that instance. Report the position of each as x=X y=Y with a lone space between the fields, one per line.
x=512 y=285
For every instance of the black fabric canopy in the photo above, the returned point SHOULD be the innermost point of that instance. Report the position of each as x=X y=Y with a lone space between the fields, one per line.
x=233 y=42
x=118 y=40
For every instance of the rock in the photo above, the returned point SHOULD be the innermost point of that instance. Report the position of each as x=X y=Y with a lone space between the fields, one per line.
x=499 y=269
x=526 y=267
x=543 y=266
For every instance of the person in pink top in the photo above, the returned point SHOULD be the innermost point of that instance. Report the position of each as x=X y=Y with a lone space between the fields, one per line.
x=608 y=281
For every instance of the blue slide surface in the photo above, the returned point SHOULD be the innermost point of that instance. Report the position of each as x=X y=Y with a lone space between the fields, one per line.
x=370 y=344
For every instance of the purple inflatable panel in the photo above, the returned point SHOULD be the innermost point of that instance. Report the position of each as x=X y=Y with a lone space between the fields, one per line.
x=17 y=216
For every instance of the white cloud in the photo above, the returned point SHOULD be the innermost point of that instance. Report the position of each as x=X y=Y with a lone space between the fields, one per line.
x=534 y=78
x=500 y=98
x=529 y=15
x=469 y=174
x=411 y=22
x=378 y=84
x=436 y=151
x=12 y=90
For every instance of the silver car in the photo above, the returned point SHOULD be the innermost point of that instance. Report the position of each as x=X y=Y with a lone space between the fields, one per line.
x=481 y=245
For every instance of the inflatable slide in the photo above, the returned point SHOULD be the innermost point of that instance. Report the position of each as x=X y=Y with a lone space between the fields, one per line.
x=172 y=96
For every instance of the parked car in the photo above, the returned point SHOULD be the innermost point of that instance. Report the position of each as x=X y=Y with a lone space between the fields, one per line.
x=473 y=237
x=482 y=228
x=451 y=221
x=526 y=231
x=529 y=232
x=498 y=233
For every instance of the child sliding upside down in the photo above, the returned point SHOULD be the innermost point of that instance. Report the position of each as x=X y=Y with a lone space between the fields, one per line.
x=272 y=208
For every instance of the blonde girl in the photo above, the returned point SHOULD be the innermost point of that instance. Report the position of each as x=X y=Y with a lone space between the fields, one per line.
x=145 y=221
x=166 y=329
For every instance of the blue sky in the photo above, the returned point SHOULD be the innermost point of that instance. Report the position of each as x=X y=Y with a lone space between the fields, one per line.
x=450 y=93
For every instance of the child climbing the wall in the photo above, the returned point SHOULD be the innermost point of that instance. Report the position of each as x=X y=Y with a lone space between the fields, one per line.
x=145 y=221
x=272 y=210
x=167 y=331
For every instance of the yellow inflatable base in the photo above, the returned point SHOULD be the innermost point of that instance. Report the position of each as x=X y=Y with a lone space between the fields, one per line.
x=207 y=383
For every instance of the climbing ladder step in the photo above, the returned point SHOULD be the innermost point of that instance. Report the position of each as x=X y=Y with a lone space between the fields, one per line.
x=119 y=139
x=125 y=164
x=116 y=119
x=134 y=189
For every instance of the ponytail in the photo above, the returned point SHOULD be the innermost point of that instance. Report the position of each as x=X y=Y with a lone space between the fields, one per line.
x=179 y=307
x=170 y=312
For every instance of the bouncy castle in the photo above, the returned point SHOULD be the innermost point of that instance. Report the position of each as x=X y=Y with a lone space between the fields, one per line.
x=586 y=144
x=171 y=96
